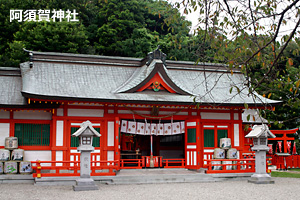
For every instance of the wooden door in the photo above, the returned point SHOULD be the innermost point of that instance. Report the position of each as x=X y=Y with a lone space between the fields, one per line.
x=193 y=154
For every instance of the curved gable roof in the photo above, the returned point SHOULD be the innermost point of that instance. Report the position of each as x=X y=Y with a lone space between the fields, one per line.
x=145 y=73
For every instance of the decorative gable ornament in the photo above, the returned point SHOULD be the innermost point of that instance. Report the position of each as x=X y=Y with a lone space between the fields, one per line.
x=156 y=86
x=156 y=54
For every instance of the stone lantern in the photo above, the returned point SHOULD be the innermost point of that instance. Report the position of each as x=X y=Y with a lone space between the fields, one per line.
x=260 y=135
x=85 y=134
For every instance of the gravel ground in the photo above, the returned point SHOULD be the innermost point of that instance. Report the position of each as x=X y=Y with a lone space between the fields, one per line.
x=284 y=188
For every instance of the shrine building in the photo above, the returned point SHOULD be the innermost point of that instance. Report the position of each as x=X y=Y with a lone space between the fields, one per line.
x=176 y=111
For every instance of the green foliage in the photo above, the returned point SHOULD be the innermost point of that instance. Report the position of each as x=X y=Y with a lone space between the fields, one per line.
x=283 y=85
x=138 y=45
x=45 y=36
x=38 y=36
x=14 y=54
x=134 y=28
x=53 y=36
x=109 y=27
x=252 y=36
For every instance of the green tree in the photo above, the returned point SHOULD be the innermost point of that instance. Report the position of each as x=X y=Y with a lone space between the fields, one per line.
x=107 y=27
x=39 y=36
x=45 y=36
x=127 y=26
x=255 y=36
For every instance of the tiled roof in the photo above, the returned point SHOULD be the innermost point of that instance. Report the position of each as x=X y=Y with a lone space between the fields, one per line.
x=10 y=87
x=101 y=78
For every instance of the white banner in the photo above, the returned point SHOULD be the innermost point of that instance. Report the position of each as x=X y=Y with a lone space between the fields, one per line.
x=131 y=127
x=176 y=127
x=148 y=129
x=160 y=129
x=167 y=129
x=124 y=126
x=182 y=127
x=153 y=129
x=142 y=128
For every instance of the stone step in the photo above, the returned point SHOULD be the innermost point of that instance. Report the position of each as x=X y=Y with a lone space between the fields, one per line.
x=142 y=176
x=162 y=179
x=16 y=178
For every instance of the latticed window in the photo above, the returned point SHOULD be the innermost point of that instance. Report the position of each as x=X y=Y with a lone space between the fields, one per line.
x=191 y=133
x=32 y=134
x=211 y=134
x=222 y=134
x=209 y=138
x=74 y=140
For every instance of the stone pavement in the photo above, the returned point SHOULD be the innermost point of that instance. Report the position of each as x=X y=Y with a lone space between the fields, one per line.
x=150 y=176
x=284 y=188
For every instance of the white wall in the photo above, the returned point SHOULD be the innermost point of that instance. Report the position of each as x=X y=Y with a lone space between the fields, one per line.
x=110 y=155
x=236 y=116
x=172 y=112
x=59 y=133
x=4 y=114
x=236 y=131
x=208 y=115
x=191 y=124
x=37 y=155
x=86 y=112
x=59 y=157
x=4 y=132
x=110 y=133
x=60 y=112
x=33 y=115
x=125 y=112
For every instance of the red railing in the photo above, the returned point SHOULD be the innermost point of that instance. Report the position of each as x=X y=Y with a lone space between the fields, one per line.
x=158 y=162
x=173 y=163
x=104 y=168
x=131 y=163
x=207 y=156
x=230 y=166
x=71 y=168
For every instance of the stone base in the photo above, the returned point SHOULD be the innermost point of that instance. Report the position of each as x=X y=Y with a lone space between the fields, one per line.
x=261 y=179
x=85 y=184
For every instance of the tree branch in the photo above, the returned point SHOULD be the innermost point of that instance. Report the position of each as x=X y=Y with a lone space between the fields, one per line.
x=279 y=54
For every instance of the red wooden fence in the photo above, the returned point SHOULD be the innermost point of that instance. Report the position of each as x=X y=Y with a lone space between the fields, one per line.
x=246 y=165
x=144 y=162
x=71 y=168
x=230 y=166
x=286 y=162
